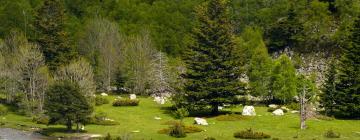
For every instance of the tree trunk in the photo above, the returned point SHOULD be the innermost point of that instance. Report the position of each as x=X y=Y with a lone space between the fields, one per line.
x=69 y=125
x=302 y=110
x=215 y=109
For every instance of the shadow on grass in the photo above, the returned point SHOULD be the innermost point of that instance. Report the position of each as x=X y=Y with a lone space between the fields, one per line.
x=51 y=131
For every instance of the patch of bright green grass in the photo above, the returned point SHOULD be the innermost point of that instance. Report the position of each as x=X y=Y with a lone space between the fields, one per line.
x=139 y=122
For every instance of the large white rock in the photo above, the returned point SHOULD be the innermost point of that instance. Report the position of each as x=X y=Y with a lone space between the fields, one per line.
x=159 y=100
x=249 y=111
x=273 y=106
x=294 y=111
x=278 y=112
x=132 y=96
x=285 y=108
x=200 y=121
x=104 y=94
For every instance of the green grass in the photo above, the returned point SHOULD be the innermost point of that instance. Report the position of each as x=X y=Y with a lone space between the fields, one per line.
x=141 y=118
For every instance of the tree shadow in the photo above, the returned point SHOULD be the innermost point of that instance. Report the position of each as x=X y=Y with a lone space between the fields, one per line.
x=50 y=131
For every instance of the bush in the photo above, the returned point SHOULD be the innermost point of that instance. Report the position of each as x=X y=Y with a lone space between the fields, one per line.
x=331 y=134
x=192 y=129
x=180 y=113
x=3 y=110
x=323 y=117
x=99 y=100
x=100 y=118
x=177 y=131
x=126 y=102
x=209 y=138
x=231 y=117
x=186 y=129
x=41 y=119
x=293 y=106
x=250 y=134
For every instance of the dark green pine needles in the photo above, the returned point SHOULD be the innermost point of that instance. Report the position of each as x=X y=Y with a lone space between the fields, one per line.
x=212 y=70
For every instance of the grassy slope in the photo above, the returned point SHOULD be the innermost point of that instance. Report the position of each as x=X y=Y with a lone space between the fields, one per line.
x=141 y=118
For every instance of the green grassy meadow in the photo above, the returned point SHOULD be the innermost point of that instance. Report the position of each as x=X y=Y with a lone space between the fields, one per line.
x=139 y=123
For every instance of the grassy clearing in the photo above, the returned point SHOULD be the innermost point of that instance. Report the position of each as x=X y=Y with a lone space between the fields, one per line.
x=139 y=122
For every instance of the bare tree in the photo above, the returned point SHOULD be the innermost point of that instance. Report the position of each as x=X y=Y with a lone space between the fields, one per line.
x=101 y=45
x=307 y=90
x=161 y=77
x=79 y=72
x=137 y=59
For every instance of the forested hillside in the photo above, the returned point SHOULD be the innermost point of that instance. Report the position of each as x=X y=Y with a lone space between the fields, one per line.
x=201 y=55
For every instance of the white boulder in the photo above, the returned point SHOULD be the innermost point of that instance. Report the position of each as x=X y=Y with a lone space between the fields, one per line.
x=104 y=94
x=132 y=96
x=273 y=106
x=278 y=112
x=220 y=107
x=82 y=128
x=285 y=108
x=249 y=111
x=200 y=121
x=157 y=118
x=294 y=111
x=159 y=100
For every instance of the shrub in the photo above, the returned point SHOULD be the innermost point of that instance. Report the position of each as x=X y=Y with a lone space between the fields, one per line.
x=3 y=110
x=293 y=106
x=209 y=138
x=192 y=129
x=323 y=117
x=41 y=119
x=331 y=134
x=180 y=113
x=177 y=131
x=126 y=102
x=231 y=117
x=99 y=100
x=186 y=129
x=250 y=134
x=100 y=118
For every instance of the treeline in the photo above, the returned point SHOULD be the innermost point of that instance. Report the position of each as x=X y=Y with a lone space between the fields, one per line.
x=210 y=52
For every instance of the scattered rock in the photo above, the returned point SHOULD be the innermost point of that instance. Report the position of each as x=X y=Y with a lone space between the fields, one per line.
x=285 y=108
x=104 y=94
x=278 y=112
x=132 y=96
x=294 y=111
x=220 y=107
x=159 y=100
x=273 y=106
x=249 y=111
x=200 y=121
x=157 y=118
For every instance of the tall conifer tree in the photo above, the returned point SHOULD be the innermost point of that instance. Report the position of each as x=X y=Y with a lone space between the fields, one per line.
x=212 y=74
x=347 y=103
x=51 y=35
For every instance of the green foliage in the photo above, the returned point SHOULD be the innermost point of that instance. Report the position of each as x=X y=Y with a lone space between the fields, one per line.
x=327 y=97
x=331 y=134
x=41 y=119
x=99 y=100
x=65 y=103
x=126 y=102
x=3 y=110
x=293 y=106
x=283 y=80
x=51 y=35
x=212 y=70
x=209 y=138
x=177 y=131
x=260 y=71
x=347 y=97
x=181 y=113
x=250 y=134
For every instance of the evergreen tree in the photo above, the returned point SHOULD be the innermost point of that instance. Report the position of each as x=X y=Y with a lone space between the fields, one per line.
x=347 y=103
x=327 y=97
x=260 y=71
x=283 y=80
x=212 y=74
x=65 y=103
x=51 y=36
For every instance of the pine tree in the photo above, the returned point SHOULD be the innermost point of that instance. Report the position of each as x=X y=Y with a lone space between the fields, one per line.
x=347 y=103
x=51 y=36
x=212 y=74
x=327 y=97
x=260 y=71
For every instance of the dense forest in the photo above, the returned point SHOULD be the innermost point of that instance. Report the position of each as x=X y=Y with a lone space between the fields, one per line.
x=57 y=56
